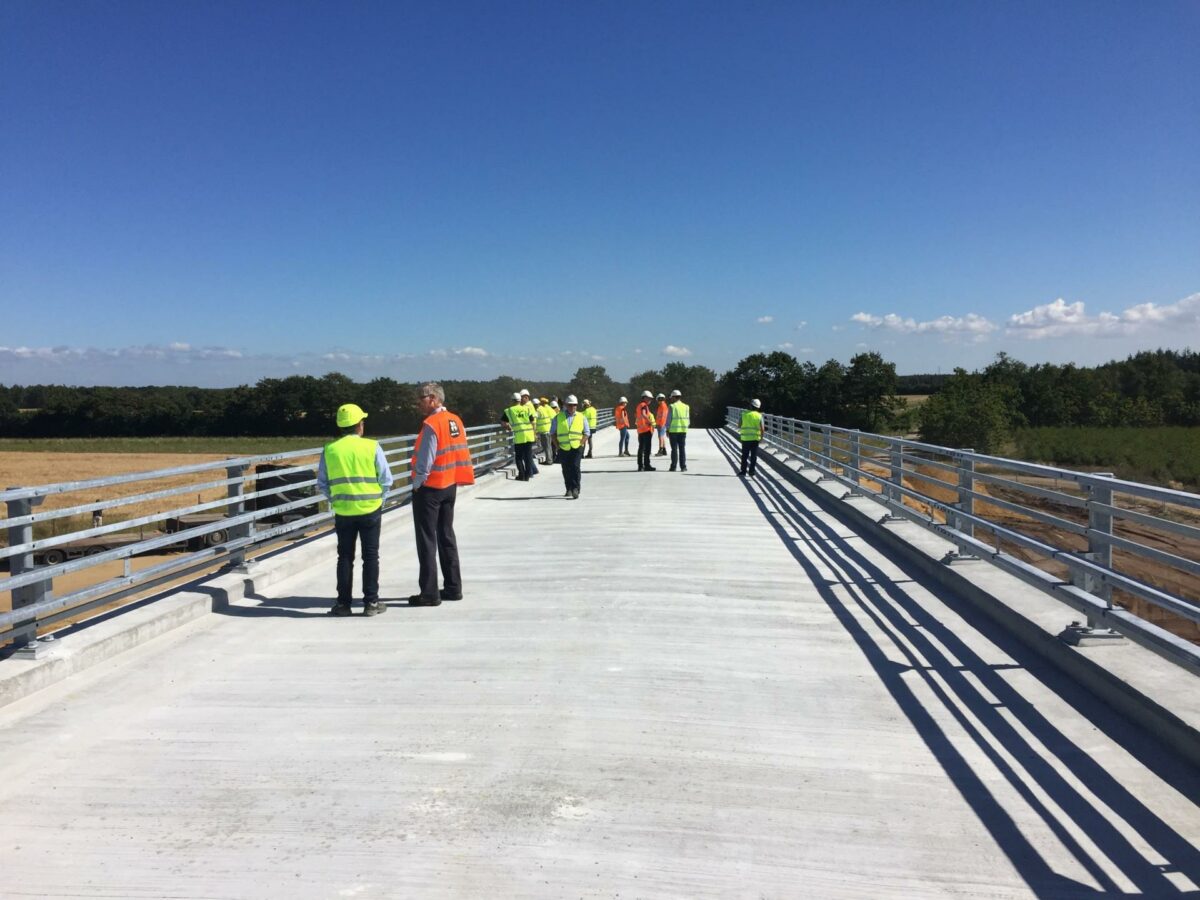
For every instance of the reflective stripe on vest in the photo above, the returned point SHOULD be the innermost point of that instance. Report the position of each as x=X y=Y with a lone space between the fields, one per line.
x=519 y=421
x=452 y=464
x=573 y=431
x=751 y=425
x=545 y=417
x=681 y=415
x=590 y=415
x=350 y=467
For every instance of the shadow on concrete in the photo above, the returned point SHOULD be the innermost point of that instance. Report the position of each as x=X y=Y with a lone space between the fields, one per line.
x=985 y=707
x=523 y=499
x=283 y=607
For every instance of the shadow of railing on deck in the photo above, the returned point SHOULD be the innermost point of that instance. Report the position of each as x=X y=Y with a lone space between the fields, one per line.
x=946 y=665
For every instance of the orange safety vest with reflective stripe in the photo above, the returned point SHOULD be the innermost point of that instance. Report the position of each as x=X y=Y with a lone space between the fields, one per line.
x=661 y=415
x=645 y=418
x=621 y=416
x=452 y=465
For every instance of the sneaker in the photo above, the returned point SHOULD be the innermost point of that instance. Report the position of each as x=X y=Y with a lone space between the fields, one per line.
x=339 y=609
x=651 y=469
x=447 y=596
x=672 y=469
x=374 y=609
x=683 y=468
x=418 y=600
x=575 y=494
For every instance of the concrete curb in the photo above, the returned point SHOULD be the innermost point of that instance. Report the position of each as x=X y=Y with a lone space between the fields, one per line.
x=1006 y=601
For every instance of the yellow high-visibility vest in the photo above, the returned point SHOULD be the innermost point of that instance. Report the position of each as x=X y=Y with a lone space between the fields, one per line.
x=521 y=422
x=569 y=436
x=354 y=485
x=681 y=416
x=751 y=425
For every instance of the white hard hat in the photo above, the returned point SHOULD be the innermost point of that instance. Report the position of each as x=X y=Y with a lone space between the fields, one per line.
x=756 y=403
x=516 y=396
x=571 y=401
x=661 y=396
x=554 y=403
x=647 y=394
x=535 y=401
x=525 y=391
x=675 y=393
x=623 y=400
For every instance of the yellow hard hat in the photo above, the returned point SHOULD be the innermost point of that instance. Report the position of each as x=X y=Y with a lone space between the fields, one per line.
x=349 y=414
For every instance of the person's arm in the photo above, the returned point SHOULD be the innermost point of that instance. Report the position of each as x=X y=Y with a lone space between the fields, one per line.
x=323 y=479
x=426 y=454
x=587 y=431
x=670 y=413
x=382 y=470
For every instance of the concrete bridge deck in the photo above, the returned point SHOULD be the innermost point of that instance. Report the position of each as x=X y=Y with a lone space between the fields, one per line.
x=683 y=685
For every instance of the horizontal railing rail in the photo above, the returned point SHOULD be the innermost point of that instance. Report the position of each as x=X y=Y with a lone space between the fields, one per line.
x=1070 y=522
x=209 y=532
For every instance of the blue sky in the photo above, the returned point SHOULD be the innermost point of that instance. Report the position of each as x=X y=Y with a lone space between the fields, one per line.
x=211 y=193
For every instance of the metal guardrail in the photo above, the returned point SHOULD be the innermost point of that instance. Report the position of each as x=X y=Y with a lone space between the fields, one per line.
x=223 y=531
x=943 y=489
x=233 y=525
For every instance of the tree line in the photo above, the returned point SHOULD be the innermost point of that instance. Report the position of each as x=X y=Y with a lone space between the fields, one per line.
x=967 y=409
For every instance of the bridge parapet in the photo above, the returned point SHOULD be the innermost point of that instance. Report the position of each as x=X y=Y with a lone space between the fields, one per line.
x=1124 y=554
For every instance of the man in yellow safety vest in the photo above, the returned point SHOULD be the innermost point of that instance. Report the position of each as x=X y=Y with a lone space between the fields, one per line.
x=751 y=433
x=354 y=476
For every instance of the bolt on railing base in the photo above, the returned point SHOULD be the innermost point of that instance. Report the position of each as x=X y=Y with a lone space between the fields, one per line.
x=957 y=556
x=38 y=648
x=1079 y=635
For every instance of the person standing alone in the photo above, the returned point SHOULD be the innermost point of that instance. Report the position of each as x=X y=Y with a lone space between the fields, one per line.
x=353 y=474
x=440 y=463
x=751 y=434
x=679 y=416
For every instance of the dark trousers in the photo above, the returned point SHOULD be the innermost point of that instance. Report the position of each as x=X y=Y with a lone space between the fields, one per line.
x=644 y=439
x=524 y=453
x=349 y=530
x=678 y=441
x=749 y=452
x=572 y=467
x=623 y=443
x=433 y=519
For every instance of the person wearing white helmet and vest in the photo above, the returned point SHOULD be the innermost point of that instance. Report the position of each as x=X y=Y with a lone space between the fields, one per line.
x=621 y=421
x=590 y=414
x=645 y=423
x=660 y=424
x=571 y=432
x=751 y=433
x=527 y=399
x=354 y=476
x=679 y=417
x=516 y=419
x=545 y=415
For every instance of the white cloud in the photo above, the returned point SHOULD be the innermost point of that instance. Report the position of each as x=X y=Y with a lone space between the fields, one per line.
x=471 y=351
x=800 y=326
x=786 y=345
x=1062 y=319
x=179 y=345
x=971 y=326
x=672 y=350
x=765 y=320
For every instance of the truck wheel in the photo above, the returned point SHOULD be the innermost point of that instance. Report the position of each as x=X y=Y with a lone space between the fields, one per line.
x=92 y=551
x=54 y=557
x=215 y=537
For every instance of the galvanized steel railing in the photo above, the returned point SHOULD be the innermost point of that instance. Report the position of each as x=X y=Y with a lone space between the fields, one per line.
x=948 y=491
x=229 y=529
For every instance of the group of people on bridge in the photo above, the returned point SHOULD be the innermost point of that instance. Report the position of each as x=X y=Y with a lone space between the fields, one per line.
x=354 y=476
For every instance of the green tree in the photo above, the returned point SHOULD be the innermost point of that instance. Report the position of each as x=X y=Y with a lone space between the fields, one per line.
x=968 y=412
x=870 y=391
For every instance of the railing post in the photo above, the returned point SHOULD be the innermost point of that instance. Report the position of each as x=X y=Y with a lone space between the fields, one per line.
x=827 y=446
x=25 y=633
x=237 y=505
x=966 y=502
x=856 y=455
x=1100 y=522
x=896 y=476
x=807 y=453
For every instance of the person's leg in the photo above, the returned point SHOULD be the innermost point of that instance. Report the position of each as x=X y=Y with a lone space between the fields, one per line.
x=448 y=543
x=369 y=527
x=683 y=451
x=424 y=504
x=745 y=457
x=753 y=457
x=577 y=472
x=343 y=526
x=565 y=468
x=530 y=459
x=673 y=437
